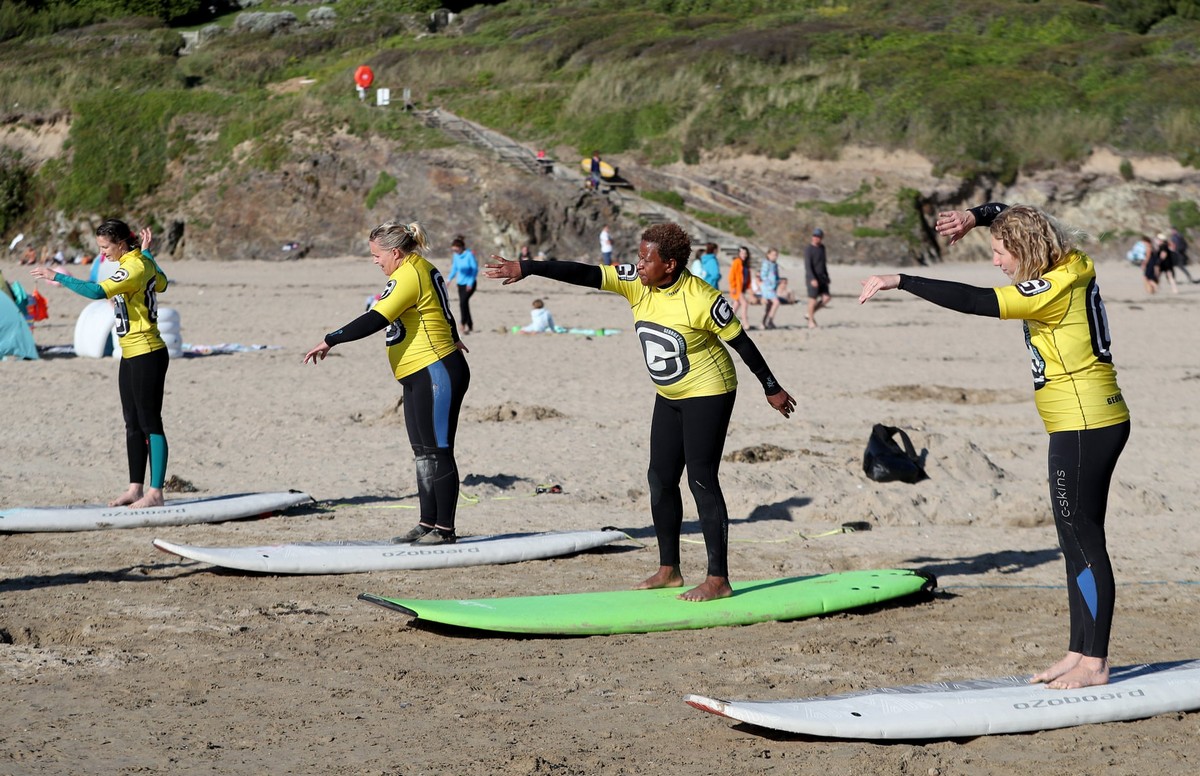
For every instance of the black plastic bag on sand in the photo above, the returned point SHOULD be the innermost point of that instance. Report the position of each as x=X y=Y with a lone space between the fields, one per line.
x=886 y=461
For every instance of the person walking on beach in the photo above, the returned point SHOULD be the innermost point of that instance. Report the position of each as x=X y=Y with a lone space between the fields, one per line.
x=141 y=378
x=464 y=270
x=606 y=247
x=1150 y=268
x=768 y=286
x=1164 y=265
x=426 y=356
x=681 y=323
x=1055 y=294
x=1178 y=245
x=816 y=276
x=739 y=283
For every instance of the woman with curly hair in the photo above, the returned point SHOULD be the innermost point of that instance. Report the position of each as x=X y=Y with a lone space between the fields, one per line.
x=1055 y=295
x=681 y=323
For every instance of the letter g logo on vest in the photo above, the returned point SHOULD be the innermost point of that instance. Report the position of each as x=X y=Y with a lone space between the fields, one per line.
x=1033 y=287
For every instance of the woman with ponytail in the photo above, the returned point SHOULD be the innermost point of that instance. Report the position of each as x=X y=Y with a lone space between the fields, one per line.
x=426 y=356
x=142 y=376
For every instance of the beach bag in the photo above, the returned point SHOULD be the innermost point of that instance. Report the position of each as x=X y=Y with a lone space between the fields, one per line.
x=887 y=461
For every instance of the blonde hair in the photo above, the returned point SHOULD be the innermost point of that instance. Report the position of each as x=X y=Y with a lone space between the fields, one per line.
x=409 y=238
x=1036 y=240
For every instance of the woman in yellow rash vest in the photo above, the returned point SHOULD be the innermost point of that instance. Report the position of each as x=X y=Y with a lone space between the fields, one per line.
x=426 y=356
x=1054 y=293
x=142 y=376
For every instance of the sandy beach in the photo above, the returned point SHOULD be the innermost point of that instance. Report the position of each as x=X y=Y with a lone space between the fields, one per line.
x=115 y=658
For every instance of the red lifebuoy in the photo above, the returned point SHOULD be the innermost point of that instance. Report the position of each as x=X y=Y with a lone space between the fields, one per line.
x=364 y=76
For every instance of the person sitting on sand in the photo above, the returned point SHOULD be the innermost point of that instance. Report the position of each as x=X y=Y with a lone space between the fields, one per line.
x=681 y=322
x=540 y=318
x=1054 y=293
x=784 y=292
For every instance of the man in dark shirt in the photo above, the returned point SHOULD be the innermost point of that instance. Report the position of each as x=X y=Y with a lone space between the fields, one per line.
x=816 y=276
x=1178 y=244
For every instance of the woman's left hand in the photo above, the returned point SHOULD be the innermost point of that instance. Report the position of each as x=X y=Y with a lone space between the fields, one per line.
x=43 y=273
x=318 y=353
x=783 y=402
x=147 y=238
x=500 y=267
x=954 y=224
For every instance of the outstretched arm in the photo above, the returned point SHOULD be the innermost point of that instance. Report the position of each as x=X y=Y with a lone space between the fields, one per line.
x=959 y=297
x=573 y=272
x=81 y=287
x=777 y=397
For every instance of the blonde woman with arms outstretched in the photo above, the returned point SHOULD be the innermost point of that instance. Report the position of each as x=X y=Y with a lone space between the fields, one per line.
x=1055 y=295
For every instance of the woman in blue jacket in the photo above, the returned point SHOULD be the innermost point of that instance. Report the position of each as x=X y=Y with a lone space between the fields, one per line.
x=464 y=271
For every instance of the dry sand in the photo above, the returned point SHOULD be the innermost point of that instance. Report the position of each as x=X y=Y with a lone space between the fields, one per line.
x=118 y=659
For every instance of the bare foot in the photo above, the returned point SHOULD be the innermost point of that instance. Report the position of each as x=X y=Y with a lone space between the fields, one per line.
x=666 y=576
x=1090 y=671
x=153 y=498
x=128 y=497
x=1058 y=669
x=710 y=589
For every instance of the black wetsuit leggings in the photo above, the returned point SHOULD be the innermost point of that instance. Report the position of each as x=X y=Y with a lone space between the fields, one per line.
x=689 y=432
x=141 y=380
x=432 y=399
x=464 y=306
x=1081 y=468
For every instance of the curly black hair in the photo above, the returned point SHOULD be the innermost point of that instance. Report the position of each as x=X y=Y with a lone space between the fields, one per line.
x=672 y=241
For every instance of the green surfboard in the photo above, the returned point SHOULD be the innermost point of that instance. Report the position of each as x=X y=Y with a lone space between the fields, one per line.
x=645 y=611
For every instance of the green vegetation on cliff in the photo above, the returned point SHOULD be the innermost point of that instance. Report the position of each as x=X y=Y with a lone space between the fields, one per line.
x=985 y=88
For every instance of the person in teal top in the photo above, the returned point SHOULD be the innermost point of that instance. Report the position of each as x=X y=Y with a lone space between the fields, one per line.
x=464 y=270
x=134 y=290
x=710 y=268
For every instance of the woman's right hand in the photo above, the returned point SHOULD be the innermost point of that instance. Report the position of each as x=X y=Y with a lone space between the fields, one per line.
x=43 y=273
x=500 y=267
x=318 y=353
x=877 y=283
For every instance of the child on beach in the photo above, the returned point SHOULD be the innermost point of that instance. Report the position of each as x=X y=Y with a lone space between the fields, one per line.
x=541 y=319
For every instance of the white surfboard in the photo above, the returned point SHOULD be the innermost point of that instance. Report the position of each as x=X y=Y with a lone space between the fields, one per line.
x=213 y=509
x=973 y=708
x=345 y=557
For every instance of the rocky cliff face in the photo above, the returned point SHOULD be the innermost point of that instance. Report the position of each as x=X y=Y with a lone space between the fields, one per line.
x=878 y=206
x=874 y=206
x=319 y=204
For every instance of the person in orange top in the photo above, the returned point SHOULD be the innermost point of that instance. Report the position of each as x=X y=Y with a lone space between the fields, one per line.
x=739 y=283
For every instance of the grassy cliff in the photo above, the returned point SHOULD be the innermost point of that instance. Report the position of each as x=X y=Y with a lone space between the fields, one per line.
x=984 y=88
